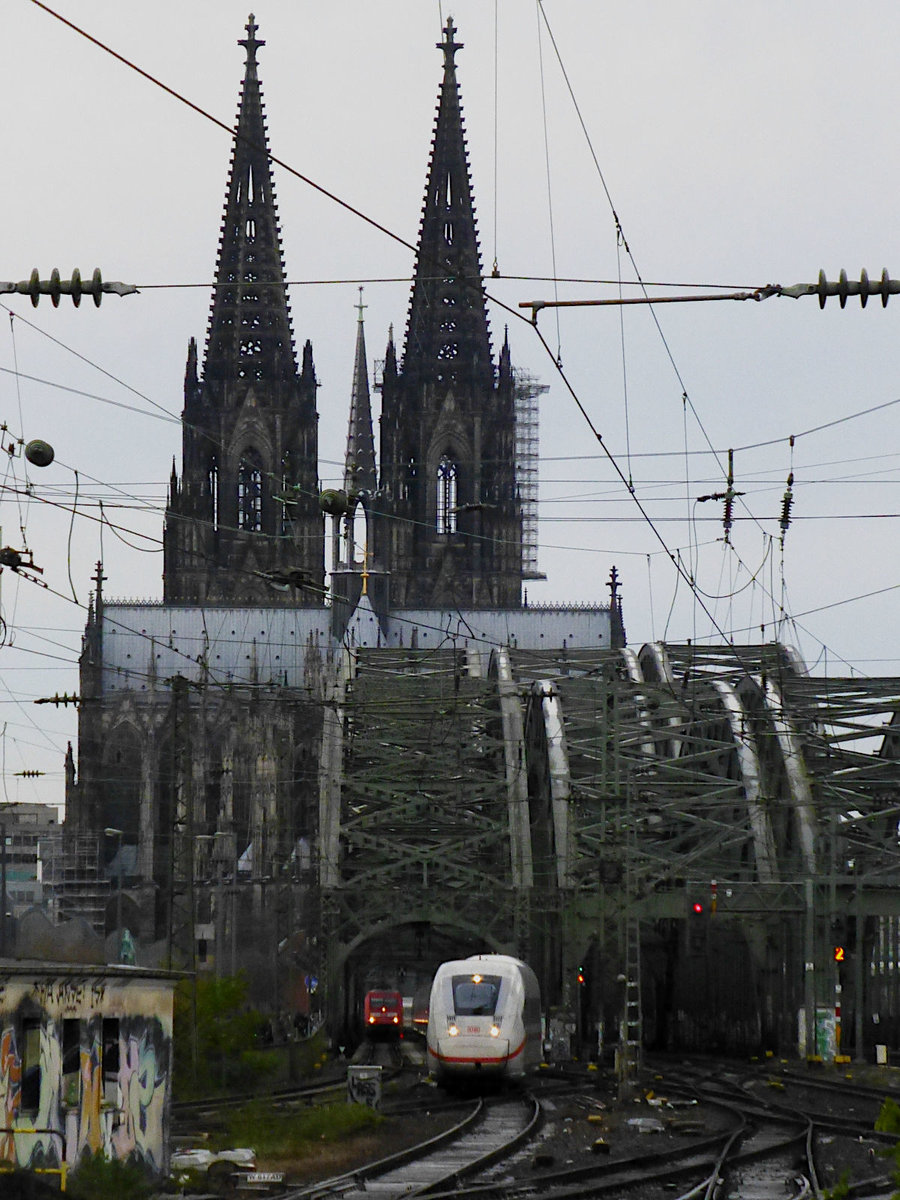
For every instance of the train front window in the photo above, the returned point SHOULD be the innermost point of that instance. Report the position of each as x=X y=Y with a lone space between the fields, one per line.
x=473 y=998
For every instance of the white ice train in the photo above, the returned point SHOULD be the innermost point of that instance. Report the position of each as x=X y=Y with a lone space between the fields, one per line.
x=484 y=1019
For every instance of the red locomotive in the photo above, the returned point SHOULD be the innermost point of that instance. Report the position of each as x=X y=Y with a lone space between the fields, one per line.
x=383 y=1014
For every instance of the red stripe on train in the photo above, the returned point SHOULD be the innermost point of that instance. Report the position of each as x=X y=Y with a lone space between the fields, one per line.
x=446 y=1058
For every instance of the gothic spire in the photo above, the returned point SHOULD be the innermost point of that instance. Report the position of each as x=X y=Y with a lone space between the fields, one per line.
x=359 y=464
x=250 y=336
x=447 y=334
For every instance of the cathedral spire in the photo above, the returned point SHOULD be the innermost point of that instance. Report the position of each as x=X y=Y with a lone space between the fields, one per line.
x=250 y=336
x=359 y=464
x=447 y=335
x=246 y=509
x=448 y=529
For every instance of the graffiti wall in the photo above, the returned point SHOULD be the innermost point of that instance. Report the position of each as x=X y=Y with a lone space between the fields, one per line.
x=85 y=1065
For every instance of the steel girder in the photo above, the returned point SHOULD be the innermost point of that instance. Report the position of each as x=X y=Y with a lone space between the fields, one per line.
x=849 y=730
x=422 y=799
x=655 y=778
x=643 y=775
x=728 y=763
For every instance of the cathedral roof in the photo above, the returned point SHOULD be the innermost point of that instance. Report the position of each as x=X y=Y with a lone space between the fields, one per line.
x=250 y=335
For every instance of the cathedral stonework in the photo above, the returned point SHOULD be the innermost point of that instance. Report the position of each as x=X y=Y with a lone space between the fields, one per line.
x=243 y=524
x=449 y=515
x=213 y=744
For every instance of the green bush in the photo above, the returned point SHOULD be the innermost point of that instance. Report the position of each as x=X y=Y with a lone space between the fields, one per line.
x=109 y=1178
x=841 y=1189
x=888 y=1120
x=215 y=1038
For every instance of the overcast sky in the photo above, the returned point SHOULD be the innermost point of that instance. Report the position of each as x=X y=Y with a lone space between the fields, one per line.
x=739 y=145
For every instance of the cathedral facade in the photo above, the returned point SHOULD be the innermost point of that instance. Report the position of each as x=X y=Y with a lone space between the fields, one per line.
x=201 y=718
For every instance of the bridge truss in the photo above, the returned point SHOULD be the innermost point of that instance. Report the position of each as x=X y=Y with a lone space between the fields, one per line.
x=538 y=801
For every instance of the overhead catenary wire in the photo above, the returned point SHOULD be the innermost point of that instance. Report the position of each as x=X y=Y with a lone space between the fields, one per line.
x=46 y=7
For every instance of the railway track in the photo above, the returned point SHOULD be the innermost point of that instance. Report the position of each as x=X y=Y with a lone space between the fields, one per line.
x=729 y=1132
x=188 y=1113
x=761 y=1150
x=491 y=1131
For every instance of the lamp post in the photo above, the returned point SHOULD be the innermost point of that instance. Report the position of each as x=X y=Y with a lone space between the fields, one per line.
x=118 y=835
x=219 y=917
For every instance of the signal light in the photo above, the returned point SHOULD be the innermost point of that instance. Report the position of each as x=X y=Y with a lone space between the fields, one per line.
x=580 y=975
x=839 y=954
x=697 y=908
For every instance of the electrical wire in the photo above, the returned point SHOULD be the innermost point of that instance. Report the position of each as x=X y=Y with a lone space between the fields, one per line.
x=350 y=207
x=549 y=180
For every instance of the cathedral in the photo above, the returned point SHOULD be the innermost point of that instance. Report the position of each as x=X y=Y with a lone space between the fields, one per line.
x=203 y=742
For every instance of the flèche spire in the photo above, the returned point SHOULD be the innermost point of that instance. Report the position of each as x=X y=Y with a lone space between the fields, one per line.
x=359 y=463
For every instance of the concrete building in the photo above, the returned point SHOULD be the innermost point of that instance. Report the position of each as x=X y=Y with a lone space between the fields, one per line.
x=85 y=1065
x=25 y=827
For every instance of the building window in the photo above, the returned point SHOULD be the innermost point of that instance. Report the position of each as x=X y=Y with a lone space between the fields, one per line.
x=212 y=484
x=250 y=494
x=446 y=496
x=31 y=1065
x=287 y=484
x=71 y=1060
x=110 y=1060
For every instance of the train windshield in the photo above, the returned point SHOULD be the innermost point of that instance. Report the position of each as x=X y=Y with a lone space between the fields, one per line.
x=475 y=998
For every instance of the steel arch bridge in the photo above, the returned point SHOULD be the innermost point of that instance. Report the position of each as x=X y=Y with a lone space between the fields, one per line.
x=537 y=802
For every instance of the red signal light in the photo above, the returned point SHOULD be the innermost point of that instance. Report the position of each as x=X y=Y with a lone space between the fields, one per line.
x=697 y=908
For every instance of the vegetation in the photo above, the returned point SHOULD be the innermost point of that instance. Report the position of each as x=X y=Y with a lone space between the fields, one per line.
x=214 y=1040
x=888 y=1121
x=889 y=1118
x=97 y=1176
x=841 y=1189
x=293 y=1135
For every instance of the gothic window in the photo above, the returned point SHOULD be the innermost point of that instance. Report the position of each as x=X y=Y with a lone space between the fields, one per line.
x=287 y=484
x=212 y=485
x=121 y=782
x=250 y=493
x=241 y=801
x=446 y=496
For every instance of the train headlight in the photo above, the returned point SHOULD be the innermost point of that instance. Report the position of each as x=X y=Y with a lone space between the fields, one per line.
x=452 y=1030
x=371 y=1020
x=396 y=1020
x=495 y=1031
